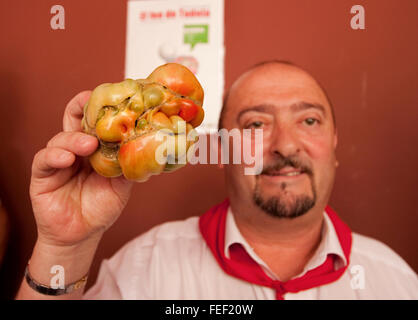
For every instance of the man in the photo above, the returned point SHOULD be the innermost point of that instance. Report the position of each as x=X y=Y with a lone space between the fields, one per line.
x=275 y=238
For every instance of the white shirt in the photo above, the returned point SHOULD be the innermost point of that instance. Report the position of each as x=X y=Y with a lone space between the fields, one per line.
x=173 y=261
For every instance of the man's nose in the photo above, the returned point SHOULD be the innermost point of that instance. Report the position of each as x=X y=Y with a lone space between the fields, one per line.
x=284 y=142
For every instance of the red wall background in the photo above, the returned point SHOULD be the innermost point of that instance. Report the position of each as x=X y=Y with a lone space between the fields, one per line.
x=370 y=75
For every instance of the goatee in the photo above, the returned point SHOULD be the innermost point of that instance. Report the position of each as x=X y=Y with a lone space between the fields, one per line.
x=278 y=206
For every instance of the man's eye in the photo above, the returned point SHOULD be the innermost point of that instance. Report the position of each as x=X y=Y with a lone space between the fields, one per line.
x=311 y=121
x=255 y=124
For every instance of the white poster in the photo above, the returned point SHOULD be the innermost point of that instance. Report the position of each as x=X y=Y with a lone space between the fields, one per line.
x=190 y=32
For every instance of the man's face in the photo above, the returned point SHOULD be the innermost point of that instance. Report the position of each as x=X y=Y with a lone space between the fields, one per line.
x=299 y=140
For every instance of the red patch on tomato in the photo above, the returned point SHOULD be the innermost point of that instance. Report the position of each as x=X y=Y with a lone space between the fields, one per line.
x=188 y=110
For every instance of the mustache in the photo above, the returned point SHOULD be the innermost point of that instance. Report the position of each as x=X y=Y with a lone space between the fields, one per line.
x=287 y=162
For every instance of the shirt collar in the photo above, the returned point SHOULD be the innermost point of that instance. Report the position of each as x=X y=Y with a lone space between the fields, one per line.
x=329 y=245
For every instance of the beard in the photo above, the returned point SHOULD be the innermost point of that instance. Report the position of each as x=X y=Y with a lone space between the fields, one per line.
x=285 y=205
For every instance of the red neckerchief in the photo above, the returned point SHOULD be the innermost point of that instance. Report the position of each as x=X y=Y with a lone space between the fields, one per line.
x=242 y=266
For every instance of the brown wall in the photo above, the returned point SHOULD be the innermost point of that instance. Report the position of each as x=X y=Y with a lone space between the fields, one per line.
x=370 y=75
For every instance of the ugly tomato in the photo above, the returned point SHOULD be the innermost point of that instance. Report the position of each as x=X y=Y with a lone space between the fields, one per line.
x=105 y=163
x=179 y=79
x=115 y=125
x=160 y=121
x=188 y=110
x=197 y=120
x=127 y=118
x=171 y=108
x=138 y=157
x=178 y=124
x=153 y=96
x=108 y=94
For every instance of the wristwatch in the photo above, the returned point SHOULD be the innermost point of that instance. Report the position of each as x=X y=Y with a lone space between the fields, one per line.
x=43 y=289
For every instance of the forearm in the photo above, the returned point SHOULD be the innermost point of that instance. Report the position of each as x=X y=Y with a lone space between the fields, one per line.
x=75 y=261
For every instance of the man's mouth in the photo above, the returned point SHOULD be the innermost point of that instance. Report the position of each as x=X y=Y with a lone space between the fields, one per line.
x=285 y=172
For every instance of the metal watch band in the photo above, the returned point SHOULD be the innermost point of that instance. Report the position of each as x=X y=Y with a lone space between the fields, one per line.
x=43 y=289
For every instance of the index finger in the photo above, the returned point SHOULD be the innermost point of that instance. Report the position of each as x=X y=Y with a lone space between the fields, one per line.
x=74 y=111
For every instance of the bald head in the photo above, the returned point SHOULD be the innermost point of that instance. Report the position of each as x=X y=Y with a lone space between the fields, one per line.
x=279 y=75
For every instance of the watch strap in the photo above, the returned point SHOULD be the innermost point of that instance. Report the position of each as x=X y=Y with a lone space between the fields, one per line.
x=46 y=290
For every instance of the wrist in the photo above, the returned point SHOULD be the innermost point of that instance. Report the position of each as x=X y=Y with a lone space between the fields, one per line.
x=72 y=262
x=67 y=245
